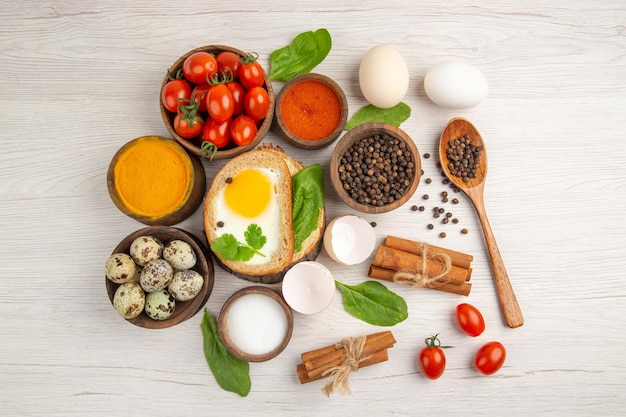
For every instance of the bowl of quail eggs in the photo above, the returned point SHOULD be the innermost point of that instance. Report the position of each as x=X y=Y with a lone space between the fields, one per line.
x=159 y=276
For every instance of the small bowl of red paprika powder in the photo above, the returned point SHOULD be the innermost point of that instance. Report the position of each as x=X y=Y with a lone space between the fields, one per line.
x=311 y=111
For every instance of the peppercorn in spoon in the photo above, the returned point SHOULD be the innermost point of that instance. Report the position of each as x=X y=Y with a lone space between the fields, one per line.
x=464 y=161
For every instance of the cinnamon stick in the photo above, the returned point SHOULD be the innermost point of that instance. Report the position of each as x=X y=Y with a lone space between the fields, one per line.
x=397 y=260
x=378 y=272
x=373 y=343
x=306 y=376
x=462 y=260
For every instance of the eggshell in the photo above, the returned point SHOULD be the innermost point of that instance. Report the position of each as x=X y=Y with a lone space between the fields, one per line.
x=349 y=240
x=383 y=76
x=308 y=287
x=455 y=84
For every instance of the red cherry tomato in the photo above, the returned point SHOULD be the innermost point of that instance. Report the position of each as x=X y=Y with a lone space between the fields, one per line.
x=432 y=360
x=470 y=319
x=219 y=103
x=228 y=64
x=238 y=96
x=490 y=358
x=173 y=90
x=188 y=128
x=243 y=130
x=199 y=93
x=199 y=67
x=251 y=73
x=257 y=103
x=217 y=133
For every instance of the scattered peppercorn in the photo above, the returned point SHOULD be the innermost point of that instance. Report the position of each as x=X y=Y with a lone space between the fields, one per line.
x=455 y=201
x=444 y=200
x=448 y=215
x=464 y=231
x=444 y=193
x=445 y=221
x=421 y=208
x=414 y=208
x=455 y=220
x=373 y=224
x=430 y=226
x=441 y=210
x=425 y=196
x=426 y=155
x=428 y=180
x=229 y=180
x=442 y=235
x=220 y=224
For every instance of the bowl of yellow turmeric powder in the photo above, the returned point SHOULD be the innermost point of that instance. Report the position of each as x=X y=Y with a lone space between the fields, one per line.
x=156 y=181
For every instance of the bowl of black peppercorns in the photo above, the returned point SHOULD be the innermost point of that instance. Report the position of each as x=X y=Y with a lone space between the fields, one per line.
x=375 y=167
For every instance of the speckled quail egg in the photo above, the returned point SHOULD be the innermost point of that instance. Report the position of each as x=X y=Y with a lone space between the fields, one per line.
x=179 y=254
x=145 y=249
x=129 y=300
x=120 y=268
x=156 y=275
x=160 y=305
x=185 y=285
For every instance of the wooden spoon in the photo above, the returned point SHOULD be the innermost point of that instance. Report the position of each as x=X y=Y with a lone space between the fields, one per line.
x=474 y=189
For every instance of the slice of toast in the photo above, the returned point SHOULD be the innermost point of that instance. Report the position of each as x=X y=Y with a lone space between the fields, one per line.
x=216 y=224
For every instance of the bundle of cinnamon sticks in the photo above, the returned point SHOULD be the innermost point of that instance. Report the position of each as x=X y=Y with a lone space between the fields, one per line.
x=317 y=364
x=398 y=257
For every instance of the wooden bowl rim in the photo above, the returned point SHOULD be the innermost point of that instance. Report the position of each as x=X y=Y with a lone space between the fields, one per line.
x=307 y=144
x=190 y=144
x=364 y=130
x=193 y=195
x=223 y=316
x=184 y=309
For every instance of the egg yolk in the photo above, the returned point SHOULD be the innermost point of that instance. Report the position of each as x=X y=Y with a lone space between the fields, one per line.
x=249 y=193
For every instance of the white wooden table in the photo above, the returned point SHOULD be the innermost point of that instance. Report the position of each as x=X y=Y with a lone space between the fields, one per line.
x=80 y=79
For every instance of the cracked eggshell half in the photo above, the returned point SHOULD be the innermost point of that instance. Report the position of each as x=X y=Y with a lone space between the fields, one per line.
x=349 y=240
x=308 y=287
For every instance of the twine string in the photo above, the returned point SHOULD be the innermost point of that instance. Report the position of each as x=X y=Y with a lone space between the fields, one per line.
x=339 y=374
x=421 y=278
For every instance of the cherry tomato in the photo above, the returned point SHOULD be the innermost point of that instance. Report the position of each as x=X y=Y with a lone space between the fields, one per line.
x=243 y=130
x=469 y=319
x=251 y=73
x=490 y=358
x=432 y=360
x=219 y=103
x=173 y=90
x=238 y=96
x=228 y=63
x=187 y=128
x=187 y=123
x=199 y=93
x=216 y=133
x=257 y=103
x=199 y=67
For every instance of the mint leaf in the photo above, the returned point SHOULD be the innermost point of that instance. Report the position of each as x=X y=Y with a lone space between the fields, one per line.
x=395 y=115
x=231 y=373
x=254 y=237
x=373 y=303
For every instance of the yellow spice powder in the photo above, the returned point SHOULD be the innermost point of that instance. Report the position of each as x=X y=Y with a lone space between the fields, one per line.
x=152 y=177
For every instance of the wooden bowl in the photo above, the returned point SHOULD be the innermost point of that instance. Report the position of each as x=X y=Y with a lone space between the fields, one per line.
x=364 y=131
x=307 y=109
x=204 y=266
x=185 y=207
x=193 y=145
x=227 y=336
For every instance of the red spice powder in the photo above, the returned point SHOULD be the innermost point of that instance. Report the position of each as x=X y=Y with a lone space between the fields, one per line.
x=310 y=110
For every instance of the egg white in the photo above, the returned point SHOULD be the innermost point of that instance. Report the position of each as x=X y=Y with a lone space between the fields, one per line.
x=268 y=220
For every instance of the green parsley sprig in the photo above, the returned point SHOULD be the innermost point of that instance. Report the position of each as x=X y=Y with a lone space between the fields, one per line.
x=228 y=248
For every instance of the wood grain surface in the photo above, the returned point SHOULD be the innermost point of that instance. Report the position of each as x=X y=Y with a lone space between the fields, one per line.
x=80 y=79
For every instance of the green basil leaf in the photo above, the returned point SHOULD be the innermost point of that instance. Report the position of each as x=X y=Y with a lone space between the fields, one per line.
x=231 y=373
x=373 y=303
x=308 y=200
x=304 y=53
x=395 y=115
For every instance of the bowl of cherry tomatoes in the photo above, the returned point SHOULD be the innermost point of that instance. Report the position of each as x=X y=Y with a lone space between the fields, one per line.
x=217 y=101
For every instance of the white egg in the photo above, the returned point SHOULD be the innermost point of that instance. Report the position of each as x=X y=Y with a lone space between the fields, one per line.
x=252 y=198
x=383 y=76
x=455 y=84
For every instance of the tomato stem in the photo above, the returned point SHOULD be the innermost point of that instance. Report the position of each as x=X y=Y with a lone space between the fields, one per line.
x=208 y=150
x=433 y=342
x=250 y=58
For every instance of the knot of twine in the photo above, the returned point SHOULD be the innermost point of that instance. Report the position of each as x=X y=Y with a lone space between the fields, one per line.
x=339 y=374
x=421 y=278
